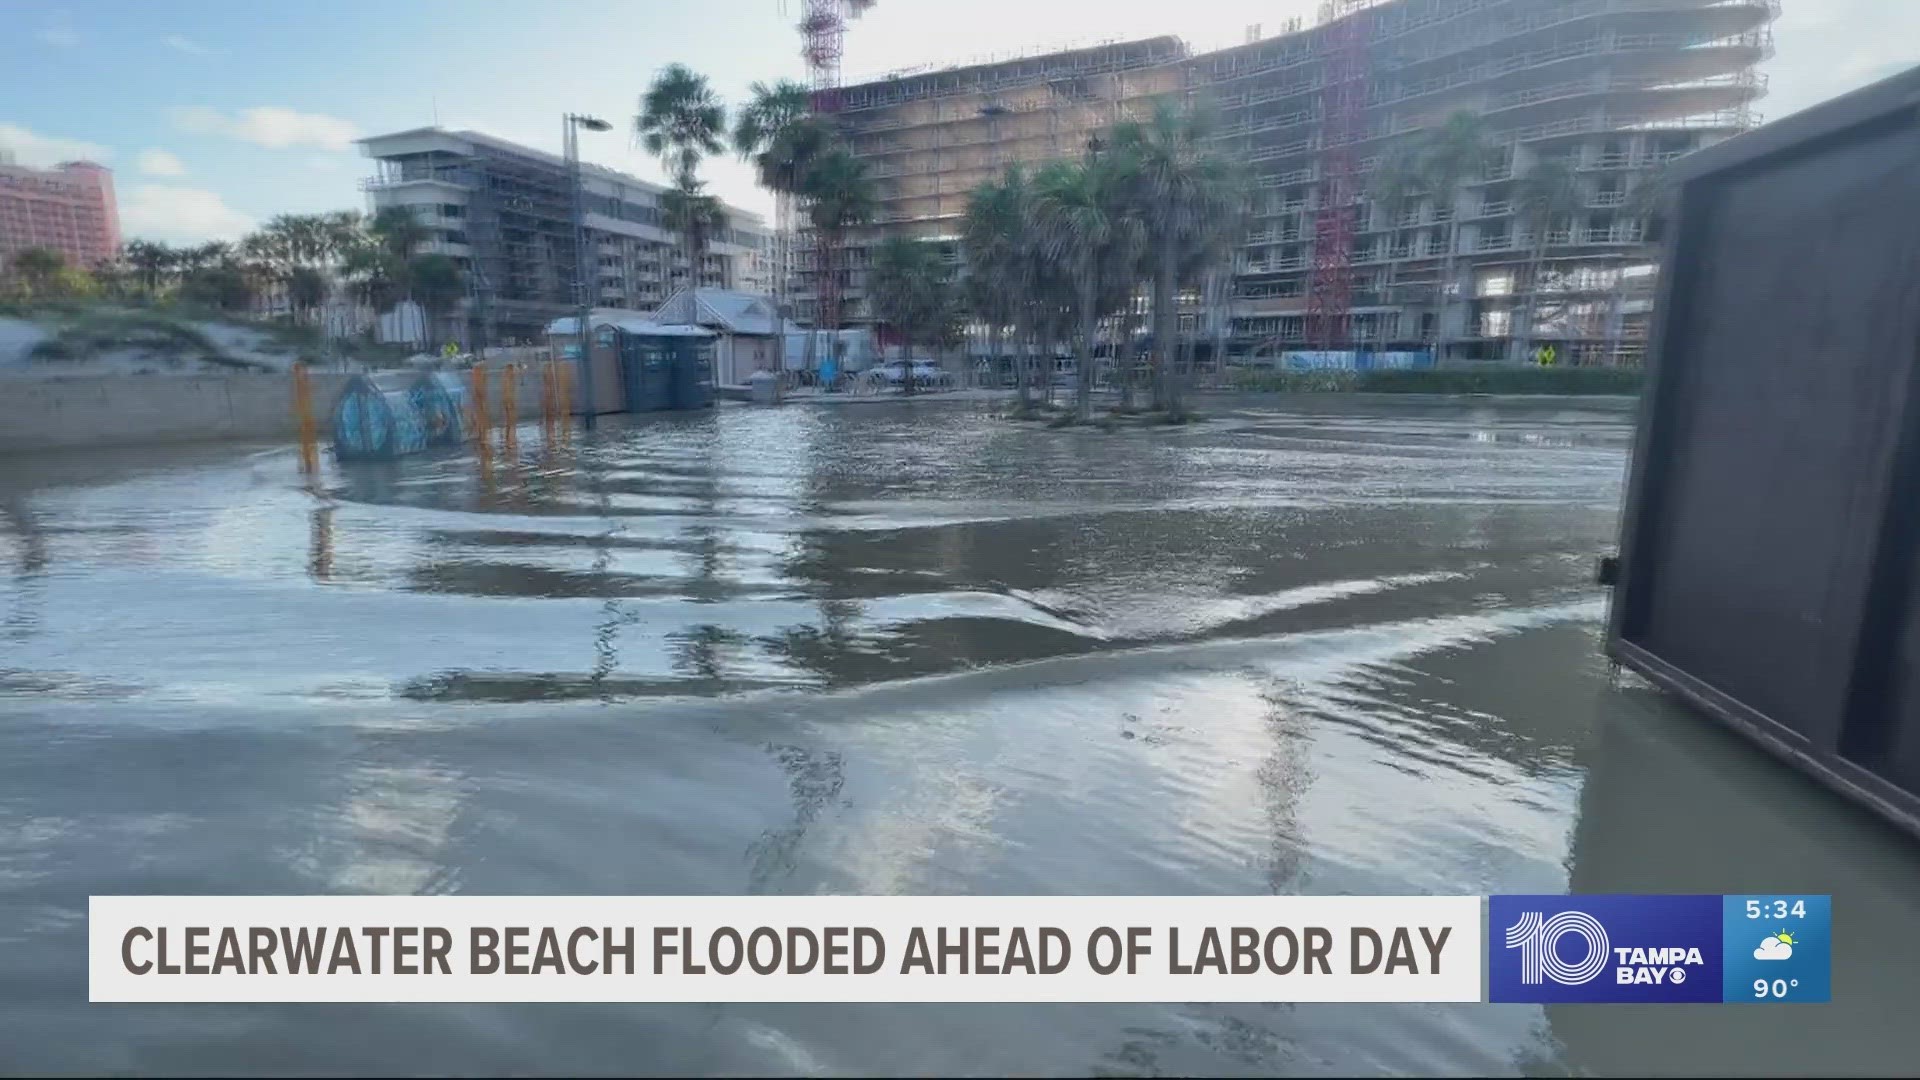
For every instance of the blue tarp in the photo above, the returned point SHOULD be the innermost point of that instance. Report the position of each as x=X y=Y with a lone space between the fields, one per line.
x=1350 y=360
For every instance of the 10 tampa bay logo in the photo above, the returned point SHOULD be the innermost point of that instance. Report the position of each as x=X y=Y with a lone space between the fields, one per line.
x=1604 y=948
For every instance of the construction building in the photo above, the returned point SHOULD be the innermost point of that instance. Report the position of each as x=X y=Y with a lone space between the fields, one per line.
x=69 y=209
x=505 y=213
x=1614 y=88
x=930 y=139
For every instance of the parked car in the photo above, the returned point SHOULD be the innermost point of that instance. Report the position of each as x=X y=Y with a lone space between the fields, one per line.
x=926 y=374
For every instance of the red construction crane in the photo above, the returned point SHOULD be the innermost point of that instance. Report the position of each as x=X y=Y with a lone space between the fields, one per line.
x=1345 y=27
x=823 y=29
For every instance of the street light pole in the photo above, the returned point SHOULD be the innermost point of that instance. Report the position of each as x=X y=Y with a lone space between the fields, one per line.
x=570 y=142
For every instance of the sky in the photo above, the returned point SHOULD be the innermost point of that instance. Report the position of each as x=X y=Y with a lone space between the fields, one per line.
x=217 y=114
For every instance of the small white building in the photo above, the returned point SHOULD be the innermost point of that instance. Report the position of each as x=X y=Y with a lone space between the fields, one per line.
x=748 y=325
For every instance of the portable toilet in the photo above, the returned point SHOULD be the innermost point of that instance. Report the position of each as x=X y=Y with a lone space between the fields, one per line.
x=646 y=366
x=693 y=370
x=663 y=365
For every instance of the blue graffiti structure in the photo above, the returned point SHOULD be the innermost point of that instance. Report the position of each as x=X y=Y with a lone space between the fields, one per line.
x=391 y=414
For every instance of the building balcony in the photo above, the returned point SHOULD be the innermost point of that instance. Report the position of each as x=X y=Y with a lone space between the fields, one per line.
x=1273 y=123
x=1412 y=41
x=388 y=183
x=1626 y=125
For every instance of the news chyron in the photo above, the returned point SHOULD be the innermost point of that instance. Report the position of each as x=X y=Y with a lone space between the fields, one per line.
x=1537 y=949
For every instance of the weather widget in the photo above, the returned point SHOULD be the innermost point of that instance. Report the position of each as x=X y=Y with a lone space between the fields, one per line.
x=1777 y=948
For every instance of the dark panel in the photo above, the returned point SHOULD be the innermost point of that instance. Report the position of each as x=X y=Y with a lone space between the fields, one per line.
x=1769 y=567
x=1787 y=364
x=1883 y=726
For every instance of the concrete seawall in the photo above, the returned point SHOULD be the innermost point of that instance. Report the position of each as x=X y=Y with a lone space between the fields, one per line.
x=131 y=410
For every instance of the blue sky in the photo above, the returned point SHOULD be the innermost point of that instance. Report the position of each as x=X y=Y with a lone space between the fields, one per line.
x=217 y=114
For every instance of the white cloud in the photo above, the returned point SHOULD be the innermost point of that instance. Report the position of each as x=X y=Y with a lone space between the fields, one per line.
x=32 y=148
x=159 y=163
x=1772 y=948
x=274 y=128
x=60 y=37
x=180 y=215
x=182 y=43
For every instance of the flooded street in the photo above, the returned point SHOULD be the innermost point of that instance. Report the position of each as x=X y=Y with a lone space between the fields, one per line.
x=885 y=648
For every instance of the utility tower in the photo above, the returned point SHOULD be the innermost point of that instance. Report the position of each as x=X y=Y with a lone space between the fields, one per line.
x=823 y=28
x=1345 y=26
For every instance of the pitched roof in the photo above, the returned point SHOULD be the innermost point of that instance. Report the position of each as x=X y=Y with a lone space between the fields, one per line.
x=731 y=310
x=566 y=324
x=649 y=328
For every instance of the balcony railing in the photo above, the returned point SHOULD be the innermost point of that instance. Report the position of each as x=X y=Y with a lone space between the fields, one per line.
x=1274 y=123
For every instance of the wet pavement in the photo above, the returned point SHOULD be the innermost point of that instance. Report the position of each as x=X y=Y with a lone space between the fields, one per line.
x=908 y=648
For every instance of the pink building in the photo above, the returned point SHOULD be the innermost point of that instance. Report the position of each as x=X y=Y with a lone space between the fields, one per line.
x=68 y=208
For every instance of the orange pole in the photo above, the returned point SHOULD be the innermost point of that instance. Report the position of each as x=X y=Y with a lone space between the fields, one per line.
x=564 y=413
x=510 y=407
x=303 y=415
x=480 y=419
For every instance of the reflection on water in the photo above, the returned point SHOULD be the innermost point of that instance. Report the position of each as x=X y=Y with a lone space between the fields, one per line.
x=877 y=648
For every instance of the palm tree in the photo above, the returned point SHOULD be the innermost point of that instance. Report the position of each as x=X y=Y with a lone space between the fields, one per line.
x=270 y=257
x=681 y=121
x=779 y=134
x=150 y=263
x=1455 y=152
x=396 y=231
x=913 y=293
x=437 y=286
x=1001 y=267
x=205 y=256
x=839 y=197
x=374 y=276
x=1082 y=221
x=378 y=263
x=306 y=290
x=340 y=231
x=1548 y=192
x=697 y=217
x=1191 y=201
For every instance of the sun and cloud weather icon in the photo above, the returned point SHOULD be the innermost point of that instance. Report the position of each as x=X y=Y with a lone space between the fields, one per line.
x=1775 y=947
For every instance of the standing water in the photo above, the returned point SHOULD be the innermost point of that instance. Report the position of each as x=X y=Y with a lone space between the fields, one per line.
x=885 y=648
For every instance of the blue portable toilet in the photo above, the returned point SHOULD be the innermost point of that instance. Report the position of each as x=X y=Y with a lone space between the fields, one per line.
x=646 y=357
x=693 y=370
x=662 y=366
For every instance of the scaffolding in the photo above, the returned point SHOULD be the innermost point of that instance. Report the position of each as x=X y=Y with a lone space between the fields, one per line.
x=1014 y=74
x=520 y=230
x=1613 y=87
x=1342 y=108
